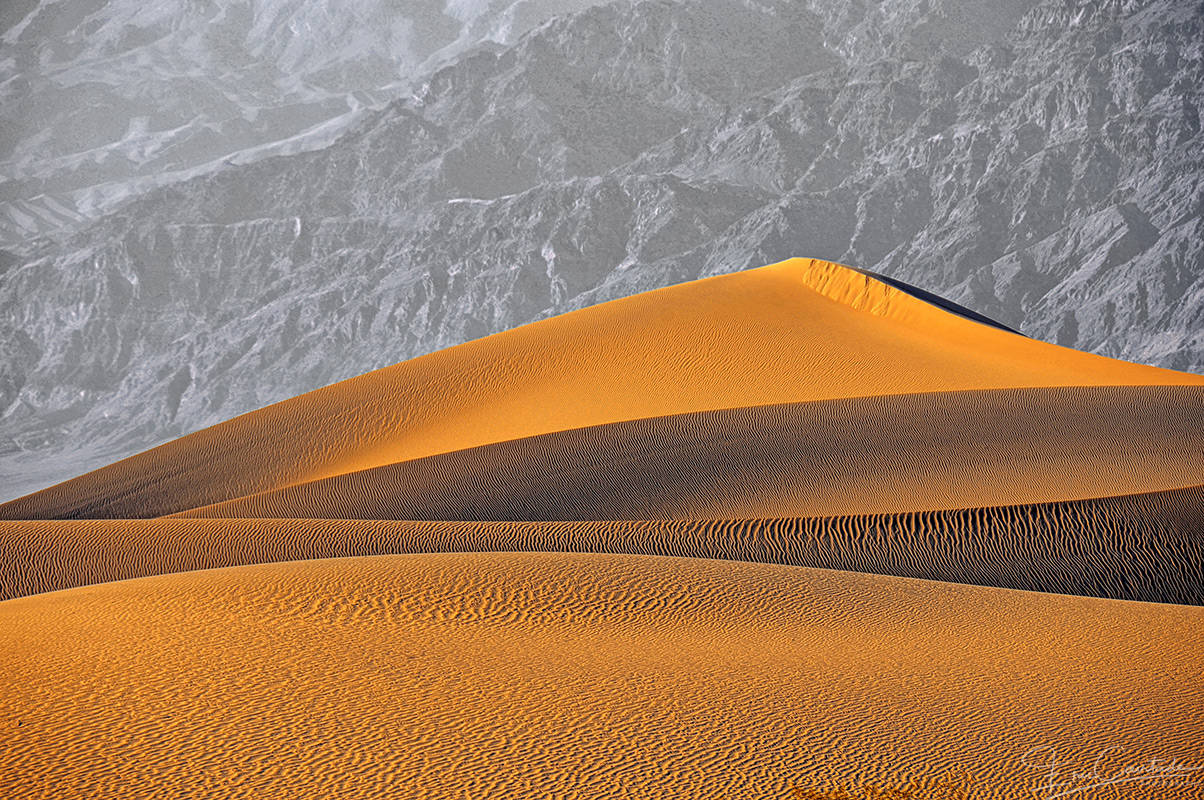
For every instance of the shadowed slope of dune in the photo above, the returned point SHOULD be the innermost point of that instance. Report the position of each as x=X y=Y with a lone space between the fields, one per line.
x=1137 y=547
x=857 y=456
x=796 y=331
x=936 y=300
x=555 y=675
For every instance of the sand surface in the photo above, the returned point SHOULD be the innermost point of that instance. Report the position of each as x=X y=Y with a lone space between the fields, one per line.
x=793 y=532
x=553 y=675
x=1135 y=547
x=868 y=455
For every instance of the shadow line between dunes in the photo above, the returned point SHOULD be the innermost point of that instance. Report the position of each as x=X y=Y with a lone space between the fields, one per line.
x=1147 y=547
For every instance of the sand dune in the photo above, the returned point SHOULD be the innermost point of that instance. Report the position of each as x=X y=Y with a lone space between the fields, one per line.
x=553 y=675
x=826 y=458
x=594 y=557
x=792 y=332
x=1137 y=547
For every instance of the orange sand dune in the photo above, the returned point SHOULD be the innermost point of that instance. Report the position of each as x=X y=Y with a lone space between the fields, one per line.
x=1137 y=547
x=857 y=456
x=796 y=331
x=520 y=632
x=553 y=675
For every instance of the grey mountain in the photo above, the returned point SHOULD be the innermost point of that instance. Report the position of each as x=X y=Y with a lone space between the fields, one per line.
x=1038 y=161
x=105 y=99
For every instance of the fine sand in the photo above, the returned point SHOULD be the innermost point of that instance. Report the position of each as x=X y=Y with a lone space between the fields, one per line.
x=870 y=455
x=553 y=675
x=793 y=532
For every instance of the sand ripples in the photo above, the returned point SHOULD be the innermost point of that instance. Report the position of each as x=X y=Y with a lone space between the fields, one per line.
x=558 y=675
x=1138 y=547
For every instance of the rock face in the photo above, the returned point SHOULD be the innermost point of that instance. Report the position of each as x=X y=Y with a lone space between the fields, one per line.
x=1039 y=162
x=105 y=99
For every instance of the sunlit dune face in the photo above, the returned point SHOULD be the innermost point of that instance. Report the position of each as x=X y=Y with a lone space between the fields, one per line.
x=793 y=532
x=796 y=331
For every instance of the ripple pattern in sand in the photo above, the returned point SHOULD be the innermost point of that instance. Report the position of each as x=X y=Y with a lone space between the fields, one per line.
x=1139 y=547
x=552 y=675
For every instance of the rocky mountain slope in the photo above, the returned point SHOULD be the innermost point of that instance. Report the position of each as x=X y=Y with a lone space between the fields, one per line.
x=106 y=99
x=1039 y=162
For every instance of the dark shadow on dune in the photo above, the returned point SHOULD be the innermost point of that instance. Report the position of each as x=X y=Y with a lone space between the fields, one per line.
x=938 y=301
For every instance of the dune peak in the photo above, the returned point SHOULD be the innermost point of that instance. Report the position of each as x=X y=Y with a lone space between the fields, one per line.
x=869 y=292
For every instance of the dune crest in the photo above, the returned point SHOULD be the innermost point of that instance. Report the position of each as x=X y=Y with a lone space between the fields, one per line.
x=893 y=454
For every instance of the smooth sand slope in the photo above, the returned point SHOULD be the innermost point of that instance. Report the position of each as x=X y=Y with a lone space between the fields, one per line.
x=796 y=331
x=553 y=675
x=858 y=456
x=452 y=577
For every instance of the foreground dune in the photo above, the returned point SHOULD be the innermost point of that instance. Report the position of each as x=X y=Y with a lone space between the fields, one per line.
x=753 y=536
x=553 y=675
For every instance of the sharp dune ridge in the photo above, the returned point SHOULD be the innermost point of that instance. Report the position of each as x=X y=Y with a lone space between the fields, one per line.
x=744 y=536
x=936 y=300
x=900 y=453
